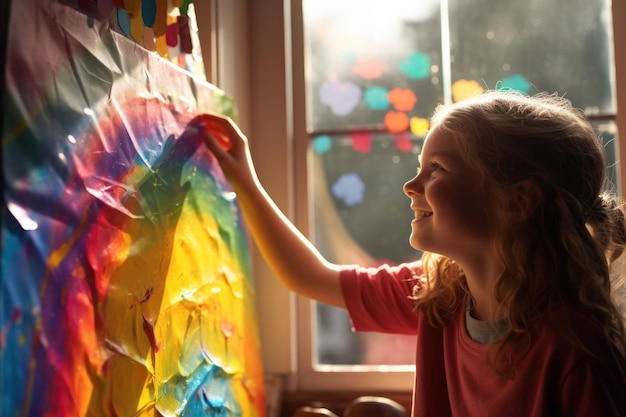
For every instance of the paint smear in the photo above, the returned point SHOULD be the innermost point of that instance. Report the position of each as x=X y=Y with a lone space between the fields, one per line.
x=126 y=276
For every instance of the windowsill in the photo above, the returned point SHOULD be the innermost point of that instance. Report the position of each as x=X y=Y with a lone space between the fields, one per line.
x=335 y=401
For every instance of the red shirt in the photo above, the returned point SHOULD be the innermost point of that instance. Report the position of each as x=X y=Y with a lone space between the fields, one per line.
x=453 y=377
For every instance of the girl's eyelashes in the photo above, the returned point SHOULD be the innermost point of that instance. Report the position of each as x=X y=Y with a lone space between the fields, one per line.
x=434 y=166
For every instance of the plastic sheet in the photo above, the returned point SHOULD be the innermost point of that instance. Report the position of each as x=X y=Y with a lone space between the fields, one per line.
x=126 y=283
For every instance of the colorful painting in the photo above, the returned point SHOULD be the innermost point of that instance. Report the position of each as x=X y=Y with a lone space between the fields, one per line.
x=126 y=285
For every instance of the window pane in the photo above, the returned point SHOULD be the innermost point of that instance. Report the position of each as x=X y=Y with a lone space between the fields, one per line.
x=371 y=63
x=557 y=46
x=377 y=66
x=359 y=202
x=607 y=130
x=361 y=215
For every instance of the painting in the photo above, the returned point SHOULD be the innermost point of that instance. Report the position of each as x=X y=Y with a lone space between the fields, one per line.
x=126 y=285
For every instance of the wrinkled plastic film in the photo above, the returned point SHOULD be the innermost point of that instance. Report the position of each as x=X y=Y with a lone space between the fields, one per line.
x=126 y=281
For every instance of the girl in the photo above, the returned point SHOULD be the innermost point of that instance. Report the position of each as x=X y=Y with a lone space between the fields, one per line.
x=512 y=302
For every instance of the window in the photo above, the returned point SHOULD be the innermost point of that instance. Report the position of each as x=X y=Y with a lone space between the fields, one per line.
x=374 y=73
x=273 y=106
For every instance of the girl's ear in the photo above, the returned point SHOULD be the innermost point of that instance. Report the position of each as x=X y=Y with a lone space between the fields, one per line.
x=524 y=198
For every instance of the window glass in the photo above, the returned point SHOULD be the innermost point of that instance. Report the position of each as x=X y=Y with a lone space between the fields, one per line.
x=607 y=130
x=372 y=64
x=361 y=215
x=376 y=70
x=558 y=46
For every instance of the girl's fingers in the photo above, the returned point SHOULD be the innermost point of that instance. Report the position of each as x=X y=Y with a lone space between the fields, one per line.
x=211 y=126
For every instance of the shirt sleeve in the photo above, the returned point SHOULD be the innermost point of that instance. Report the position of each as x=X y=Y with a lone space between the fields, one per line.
x=379 y=299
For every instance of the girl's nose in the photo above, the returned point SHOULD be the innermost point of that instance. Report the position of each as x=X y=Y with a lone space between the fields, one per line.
x=413 y=186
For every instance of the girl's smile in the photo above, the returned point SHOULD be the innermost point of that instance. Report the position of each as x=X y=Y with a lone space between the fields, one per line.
x=419 y=215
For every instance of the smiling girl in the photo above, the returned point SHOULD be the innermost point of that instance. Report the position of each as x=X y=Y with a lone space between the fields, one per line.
x=514 y=301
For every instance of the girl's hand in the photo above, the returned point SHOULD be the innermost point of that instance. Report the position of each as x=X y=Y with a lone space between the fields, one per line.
x=229 y=145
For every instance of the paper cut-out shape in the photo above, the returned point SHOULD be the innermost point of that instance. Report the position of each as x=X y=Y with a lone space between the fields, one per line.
x=322 y=144
x=349 y=188
x=402 y=142
x=369 y=68
x=515 y=82
x=419 y=126
x=402 y=99
x=464 y=89
x=416 y=66
x=396 y=121
x=376 y=98
x=361 y=142
x=341 y=97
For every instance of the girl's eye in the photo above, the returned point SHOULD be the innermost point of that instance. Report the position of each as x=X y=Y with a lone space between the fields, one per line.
x=434 y=166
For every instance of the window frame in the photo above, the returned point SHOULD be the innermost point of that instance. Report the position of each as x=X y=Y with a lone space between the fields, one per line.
x=265 y=72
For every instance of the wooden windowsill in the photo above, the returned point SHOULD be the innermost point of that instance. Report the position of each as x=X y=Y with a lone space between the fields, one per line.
x=334 y=401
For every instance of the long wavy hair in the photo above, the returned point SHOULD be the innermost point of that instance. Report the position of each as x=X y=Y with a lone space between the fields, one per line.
x=567 y=253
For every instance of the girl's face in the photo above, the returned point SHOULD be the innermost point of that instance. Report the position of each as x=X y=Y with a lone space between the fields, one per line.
x=453 y=213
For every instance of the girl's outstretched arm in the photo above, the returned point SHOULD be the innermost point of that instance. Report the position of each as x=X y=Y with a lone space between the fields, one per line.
x=290 y=255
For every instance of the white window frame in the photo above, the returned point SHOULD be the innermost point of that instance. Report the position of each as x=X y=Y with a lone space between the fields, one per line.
x=253 y=49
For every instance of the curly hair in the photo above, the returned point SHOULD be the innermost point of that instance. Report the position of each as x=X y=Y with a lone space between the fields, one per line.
x=567 y=253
